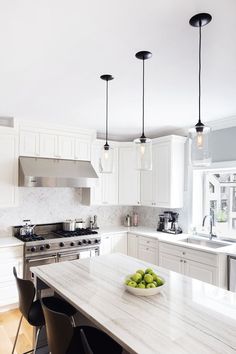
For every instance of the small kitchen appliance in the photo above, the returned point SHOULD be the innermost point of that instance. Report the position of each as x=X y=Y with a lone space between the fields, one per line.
x=168 y=222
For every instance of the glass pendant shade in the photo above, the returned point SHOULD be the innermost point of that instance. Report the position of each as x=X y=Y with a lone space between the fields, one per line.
x=200 y=152
x=107 y=154
x=143 y=154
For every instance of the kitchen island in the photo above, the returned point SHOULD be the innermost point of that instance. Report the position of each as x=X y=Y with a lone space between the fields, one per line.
x=189 y=316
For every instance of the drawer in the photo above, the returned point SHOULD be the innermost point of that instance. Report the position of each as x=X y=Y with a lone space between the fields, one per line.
x=147 y=241
x=11 y=252
x=189 y=253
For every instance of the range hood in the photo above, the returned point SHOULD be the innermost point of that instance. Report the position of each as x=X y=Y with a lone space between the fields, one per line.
x=46 y=172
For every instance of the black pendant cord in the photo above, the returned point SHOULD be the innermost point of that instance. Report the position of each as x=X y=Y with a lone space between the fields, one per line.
x=143 y=102
x=107 y=114
x=199 y=73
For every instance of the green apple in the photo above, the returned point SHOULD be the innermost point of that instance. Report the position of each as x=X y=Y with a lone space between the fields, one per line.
x=149 y=271
x=137 y=277
x=159 y=281
x=154 y=276
x=150 y=285
x=141 y=285
x=155 y=283
x=148 y=278
x=127 y=281
x=140 y=271
x=132 y=283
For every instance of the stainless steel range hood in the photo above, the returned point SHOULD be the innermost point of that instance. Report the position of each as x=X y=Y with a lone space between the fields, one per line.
x=46 y=172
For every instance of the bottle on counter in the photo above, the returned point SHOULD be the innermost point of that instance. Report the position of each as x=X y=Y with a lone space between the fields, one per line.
x=128 y=220
x=135 y=219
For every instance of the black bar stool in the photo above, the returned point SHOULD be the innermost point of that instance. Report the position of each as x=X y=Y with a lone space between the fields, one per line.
x=93 y=341
x=32 y=310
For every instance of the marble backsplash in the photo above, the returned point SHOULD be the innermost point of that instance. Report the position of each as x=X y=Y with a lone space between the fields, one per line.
x=47 y=205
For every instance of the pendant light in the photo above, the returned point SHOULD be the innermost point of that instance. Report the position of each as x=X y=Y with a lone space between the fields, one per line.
x=200 y=133
x=106 y=161
x=143 y=145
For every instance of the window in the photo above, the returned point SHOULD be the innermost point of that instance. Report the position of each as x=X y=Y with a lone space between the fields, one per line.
x=220 y=200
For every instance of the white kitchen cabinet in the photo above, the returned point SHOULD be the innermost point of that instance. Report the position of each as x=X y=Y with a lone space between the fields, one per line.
x=164 y=185
x=66 y=147
x=8 y=167
x=196 y=264
x=132 y=245
x=171 y=262
x=48 y=145
x=119 y=243
x=29 y=143
x=147 y=254
x=200 y=271
x=106 y=245
x=106 y=190
x=9 y=257
x=129 y=177
x=82 y=149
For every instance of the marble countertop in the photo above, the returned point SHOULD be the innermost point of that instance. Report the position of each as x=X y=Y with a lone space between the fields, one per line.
x=170 y=238
x=189 y=316
x=9 y=241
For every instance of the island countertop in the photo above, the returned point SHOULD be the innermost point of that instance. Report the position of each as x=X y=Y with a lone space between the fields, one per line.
x=189 y=316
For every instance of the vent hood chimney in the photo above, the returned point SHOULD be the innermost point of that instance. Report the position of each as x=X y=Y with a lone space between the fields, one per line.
x=46 y=172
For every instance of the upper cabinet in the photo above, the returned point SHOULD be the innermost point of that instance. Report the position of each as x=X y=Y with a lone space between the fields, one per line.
x=8 y=167
x=55 y=143
x=129 y=177
x=164 y=185
x=106 y=190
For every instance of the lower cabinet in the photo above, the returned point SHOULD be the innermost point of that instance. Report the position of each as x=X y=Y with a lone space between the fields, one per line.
x=144 y=248
x=114 y=243
x=147 y=254
x=193 y=263
x=133 y=245
x=9 y=257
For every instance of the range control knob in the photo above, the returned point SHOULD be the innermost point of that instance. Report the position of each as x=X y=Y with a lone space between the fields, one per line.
x=79 y=243
x=89 y=242
x=42 y=248
x=96 y=241
x=47 y=246
x=61 y=244
x=72 y=243
x=33 y=249
x=85 y=241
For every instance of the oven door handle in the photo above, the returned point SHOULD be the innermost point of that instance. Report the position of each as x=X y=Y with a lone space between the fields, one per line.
x=61 y=255
x=40 y=259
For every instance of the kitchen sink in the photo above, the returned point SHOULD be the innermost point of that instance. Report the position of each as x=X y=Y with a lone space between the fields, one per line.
x=206 y=243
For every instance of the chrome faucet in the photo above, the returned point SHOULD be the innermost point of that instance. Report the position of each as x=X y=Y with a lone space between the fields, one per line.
x=211 y=235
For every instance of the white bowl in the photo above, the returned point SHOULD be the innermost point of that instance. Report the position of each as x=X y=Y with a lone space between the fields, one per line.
x=145 y=292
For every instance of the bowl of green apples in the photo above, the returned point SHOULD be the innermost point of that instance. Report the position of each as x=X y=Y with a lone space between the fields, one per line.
x=144 y=283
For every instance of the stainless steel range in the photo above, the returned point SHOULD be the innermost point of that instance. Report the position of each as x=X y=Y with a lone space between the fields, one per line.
x=50 y=244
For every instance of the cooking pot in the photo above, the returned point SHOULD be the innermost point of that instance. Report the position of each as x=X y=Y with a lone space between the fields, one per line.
x=69 y=225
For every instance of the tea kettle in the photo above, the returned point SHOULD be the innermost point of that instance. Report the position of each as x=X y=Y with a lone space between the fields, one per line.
x=27 y=229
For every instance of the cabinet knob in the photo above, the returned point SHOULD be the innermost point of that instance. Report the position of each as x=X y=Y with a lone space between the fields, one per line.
x=147 y=249
x=138 y=202
x=181 y=260
x=183 y=253
x=185 y=261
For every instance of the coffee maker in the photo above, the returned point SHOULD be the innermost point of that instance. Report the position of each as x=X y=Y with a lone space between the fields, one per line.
x=168 y=222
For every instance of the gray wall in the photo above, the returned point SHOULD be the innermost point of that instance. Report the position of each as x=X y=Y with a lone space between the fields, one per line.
x=223 y=145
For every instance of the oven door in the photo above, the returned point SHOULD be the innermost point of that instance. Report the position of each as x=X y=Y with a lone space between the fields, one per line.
x=79 y=254
x=68 y=256
x=37 y=261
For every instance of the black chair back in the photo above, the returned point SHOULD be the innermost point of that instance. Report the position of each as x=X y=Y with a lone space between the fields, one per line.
x=26 y=293
x=59 y=329
x=86 y=346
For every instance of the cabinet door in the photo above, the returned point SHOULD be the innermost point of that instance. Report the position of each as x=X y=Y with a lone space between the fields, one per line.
x=48 y=145
x=133 y=245
x=110 y=183
x=119 y=243
x=171 y=262
x=147 y=254
x=146 y=180
x=96 y=192
x=200 y=271
x=8 y=168
x=82 y=150
x=161 y=174
x=29 y=143
x=66 y=147
x=129 y=178
x=106 y=246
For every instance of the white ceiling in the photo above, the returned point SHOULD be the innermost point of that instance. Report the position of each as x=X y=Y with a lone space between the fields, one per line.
x=53 y=52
